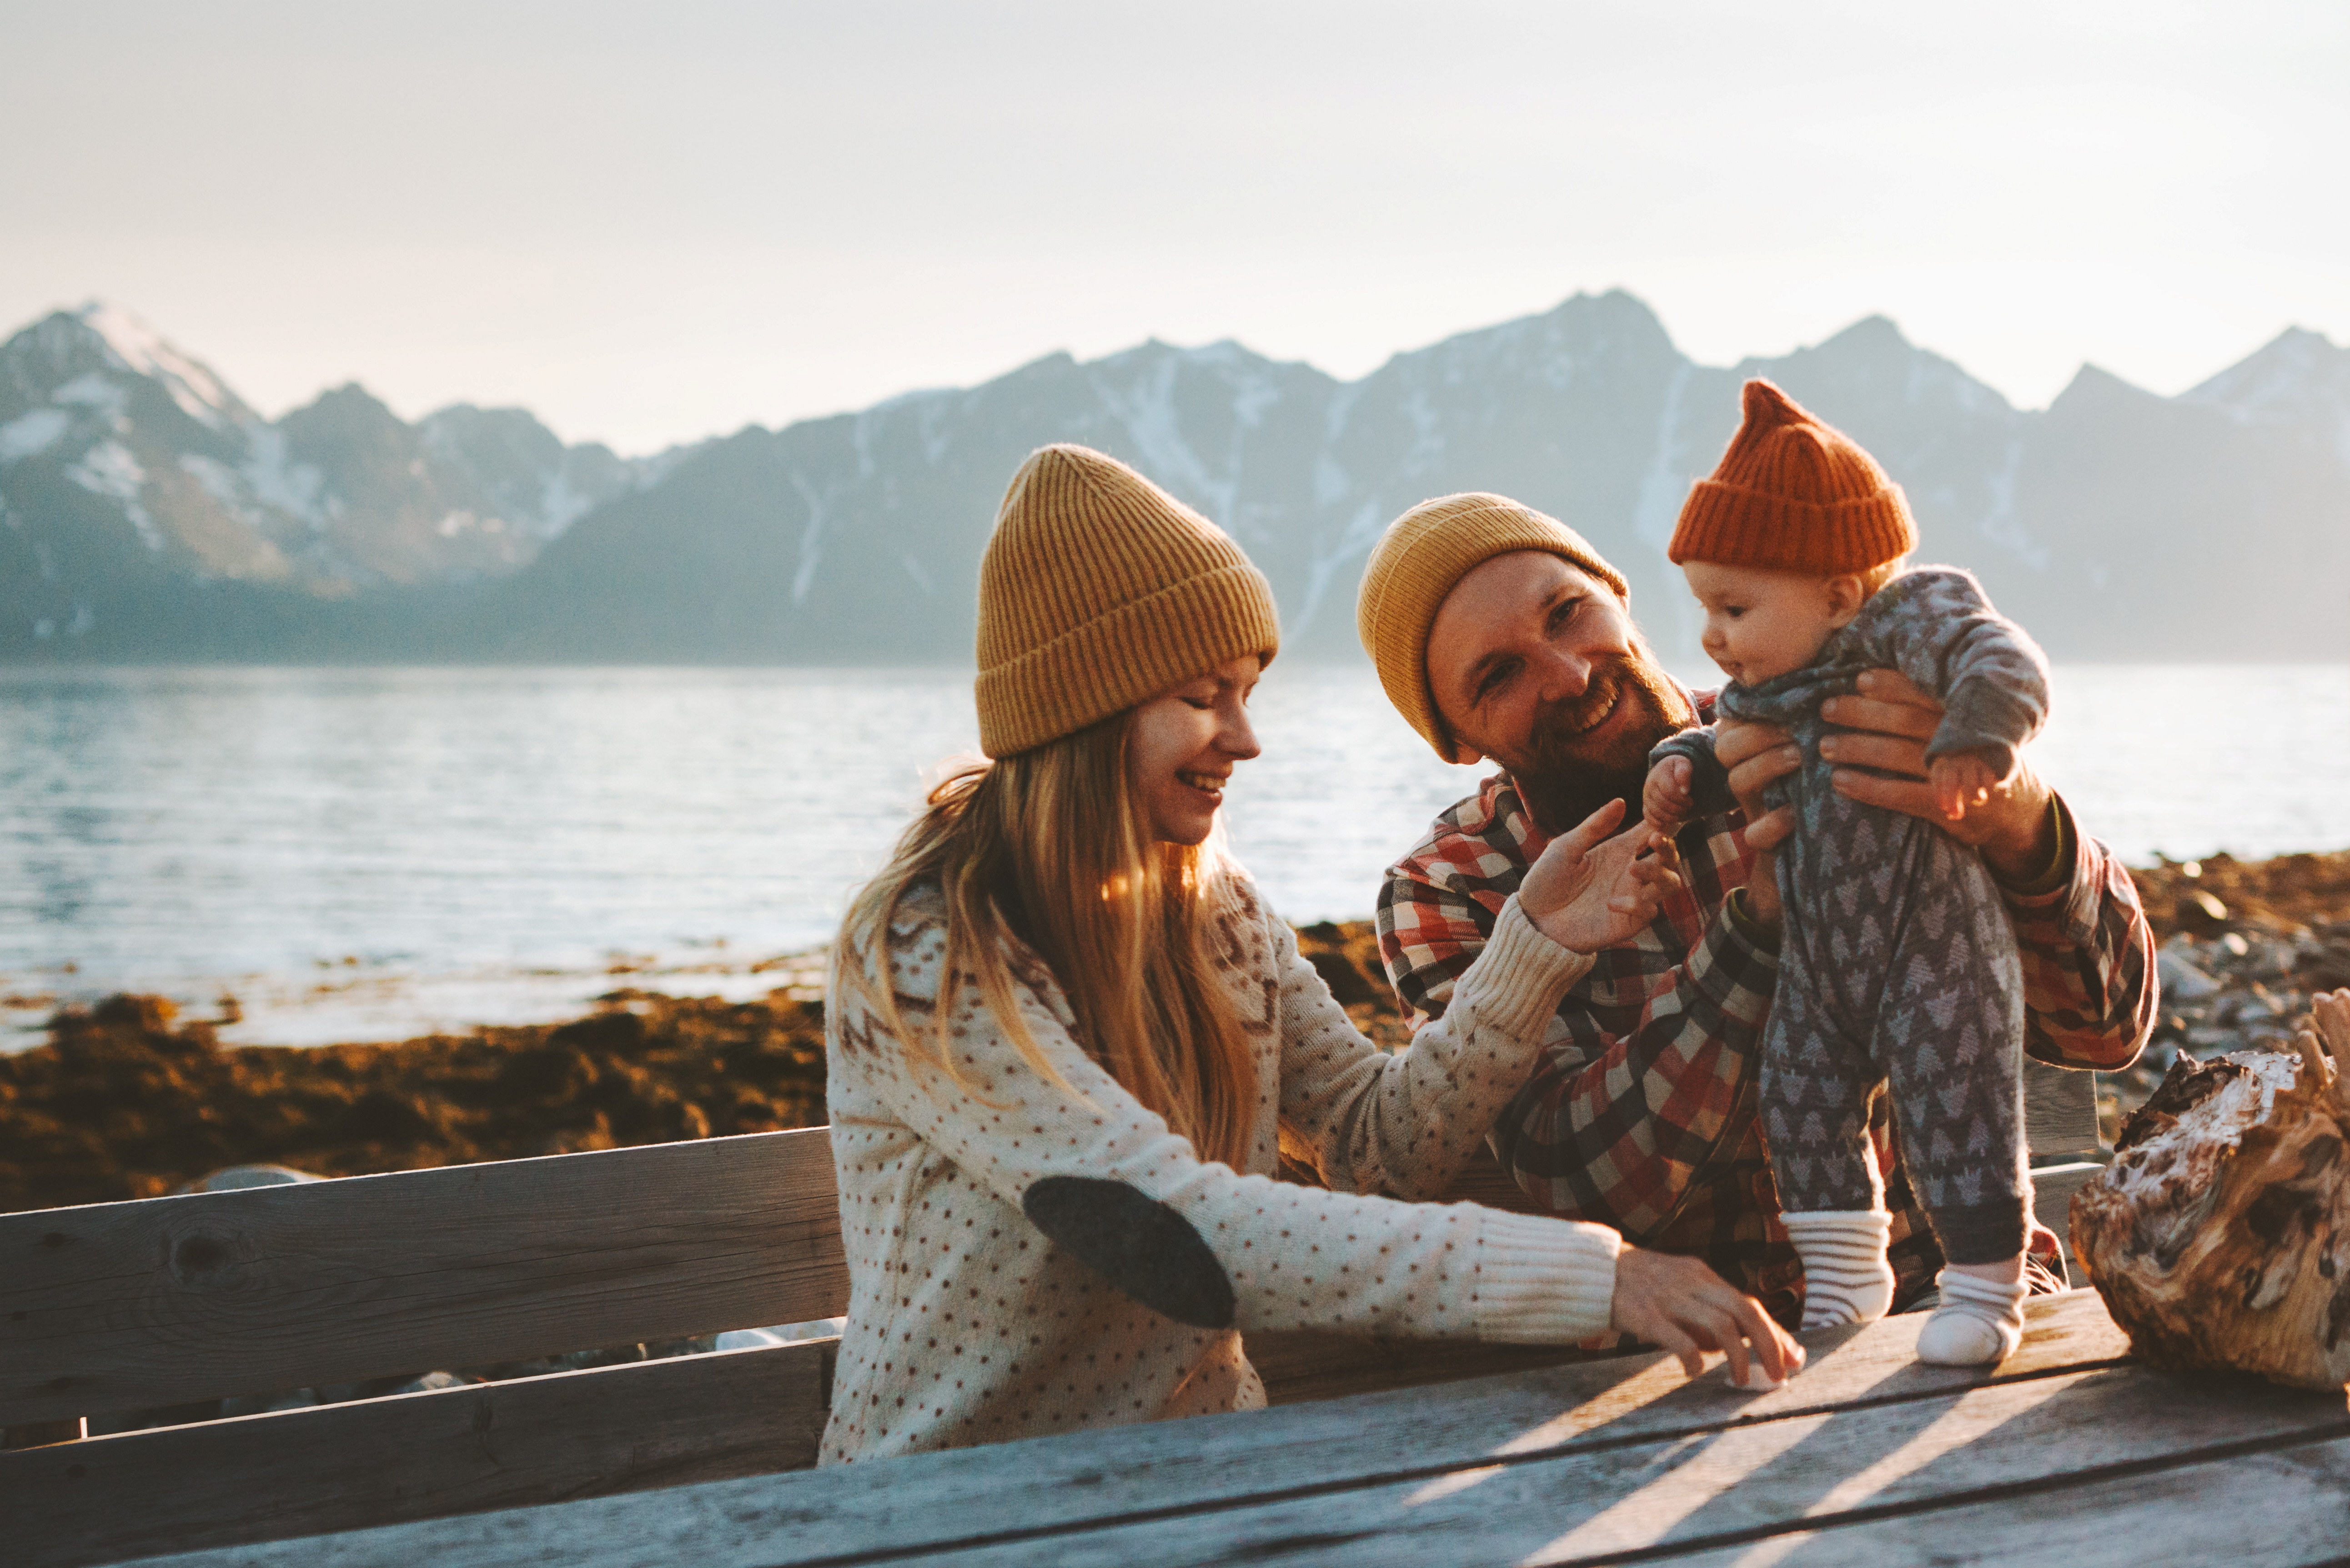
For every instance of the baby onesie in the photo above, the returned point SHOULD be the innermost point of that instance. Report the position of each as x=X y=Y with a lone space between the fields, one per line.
x=1898 y=965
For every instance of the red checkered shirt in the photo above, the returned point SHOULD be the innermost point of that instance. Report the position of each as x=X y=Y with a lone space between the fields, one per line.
x=1642 y=1115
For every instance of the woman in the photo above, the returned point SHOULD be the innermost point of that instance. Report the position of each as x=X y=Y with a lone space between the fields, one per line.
x=1067 y=1043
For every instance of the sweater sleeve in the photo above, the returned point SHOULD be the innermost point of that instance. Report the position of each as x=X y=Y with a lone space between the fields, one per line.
x=1408 y=1123
x=1992 y=677
x=1294 y=1257
x=1709 y=780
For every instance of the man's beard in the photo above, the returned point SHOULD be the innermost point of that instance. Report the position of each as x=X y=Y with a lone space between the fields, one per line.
x=1565 y=776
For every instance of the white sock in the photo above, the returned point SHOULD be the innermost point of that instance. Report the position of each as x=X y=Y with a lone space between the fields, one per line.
x=1980 y=1321
x=1846 y=1276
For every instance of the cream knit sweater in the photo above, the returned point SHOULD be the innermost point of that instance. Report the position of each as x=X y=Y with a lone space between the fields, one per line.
x=966 y=1325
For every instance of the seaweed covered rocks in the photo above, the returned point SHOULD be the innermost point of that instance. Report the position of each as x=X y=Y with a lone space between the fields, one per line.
x=124 y=1101
x=2244 y=947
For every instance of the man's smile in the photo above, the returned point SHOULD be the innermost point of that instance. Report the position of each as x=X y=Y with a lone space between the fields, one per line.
x=1614 y=699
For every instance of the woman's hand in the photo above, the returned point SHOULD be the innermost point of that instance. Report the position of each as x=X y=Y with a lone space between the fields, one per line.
x=1886 y=725
x=1756 y=755
x=1681 y=1305
x=1587 y=891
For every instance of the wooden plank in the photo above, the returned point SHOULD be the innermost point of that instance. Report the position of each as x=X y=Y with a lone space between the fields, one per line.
x=2289 y=1505
x=1303 y=1365
x=123 y=1306
x=2060 y=1114
x=420 y=1456
x=1088 y=1479
x=1662 y=1500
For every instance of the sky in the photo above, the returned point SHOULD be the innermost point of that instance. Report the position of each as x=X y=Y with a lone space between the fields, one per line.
x=651 y=223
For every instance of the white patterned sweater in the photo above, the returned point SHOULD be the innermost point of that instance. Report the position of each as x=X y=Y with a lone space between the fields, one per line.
x=967 y=1324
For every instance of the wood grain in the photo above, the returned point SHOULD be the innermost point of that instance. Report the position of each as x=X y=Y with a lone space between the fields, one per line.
x=1299 y=1366
x=1176 y=1469
x=122 y=1306
x=2284 y=1507
x=420 y=1456
x=1663 y=1499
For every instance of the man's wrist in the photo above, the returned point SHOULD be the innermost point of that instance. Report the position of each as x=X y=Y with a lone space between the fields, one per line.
x=1764 y=934
x=2041 y=863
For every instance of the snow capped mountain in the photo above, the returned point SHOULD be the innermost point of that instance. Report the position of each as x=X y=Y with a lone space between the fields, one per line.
x=2300 y=377
x=126 y=465
x=2115 y=524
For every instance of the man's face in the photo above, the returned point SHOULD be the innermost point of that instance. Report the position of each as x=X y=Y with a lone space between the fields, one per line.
x=1537 y=665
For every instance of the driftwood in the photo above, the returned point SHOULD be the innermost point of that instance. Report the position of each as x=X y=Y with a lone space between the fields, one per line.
x=2220 y=1237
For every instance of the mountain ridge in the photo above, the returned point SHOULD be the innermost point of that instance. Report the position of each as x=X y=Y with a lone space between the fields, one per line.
x=339 y=531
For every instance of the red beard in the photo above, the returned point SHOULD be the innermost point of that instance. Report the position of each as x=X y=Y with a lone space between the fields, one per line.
x=1567 y=777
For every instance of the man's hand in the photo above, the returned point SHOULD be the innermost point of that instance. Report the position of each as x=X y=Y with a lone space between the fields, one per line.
x=1588 y=891
x=1683 y=1306
x=1756 y=755
x=1886 y=725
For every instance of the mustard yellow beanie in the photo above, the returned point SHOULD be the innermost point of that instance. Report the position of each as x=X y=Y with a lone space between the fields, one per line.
x=1415 y=564
x=1100 y=591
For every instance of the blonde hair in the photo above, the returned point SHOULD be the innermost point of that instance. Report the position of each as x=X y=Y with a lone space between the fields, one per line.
x=1884 y=572
x=1049 y=847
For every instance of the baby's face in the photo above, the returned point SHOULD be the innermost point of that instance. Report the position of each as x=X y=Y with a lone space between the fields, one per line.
x=1761 y=623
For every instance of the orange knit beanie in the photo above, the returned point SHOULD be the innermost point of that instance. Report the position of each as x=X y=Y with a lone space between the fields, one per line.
x=1795 y=494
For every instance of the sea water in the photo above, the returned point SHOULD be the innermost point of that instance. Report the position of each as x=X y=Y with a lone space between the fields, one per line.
x=361 y=854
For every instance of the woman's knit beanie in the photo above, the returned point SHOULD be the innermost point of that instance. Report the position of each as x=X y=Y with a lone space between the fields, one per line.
x=1416 y=563
x=1100 y=591
x=1795 y=494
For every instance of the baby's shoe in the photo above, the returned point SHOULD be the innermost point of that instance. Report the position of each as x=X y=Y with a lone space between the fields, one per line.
x=1979 y=1323
x=1846 y=1276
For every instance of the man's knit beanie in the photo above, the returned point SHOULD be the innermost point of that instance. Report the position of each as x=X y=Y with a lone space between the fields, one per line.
x=1417 y=562
x=1100 y=591
x=1795 y=494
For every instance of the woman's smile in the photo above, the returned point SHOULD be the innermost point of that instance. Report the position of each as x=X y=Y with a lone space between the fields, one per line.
x=1182 y=748
x=1210 y=786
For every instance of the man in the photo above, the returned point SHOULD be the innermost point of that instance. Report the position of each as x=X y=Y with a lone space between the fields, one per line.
x=1499 y=633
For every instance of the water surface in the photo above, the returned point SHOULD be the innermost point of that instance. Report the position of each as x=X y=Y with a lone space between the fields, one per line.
x=364 y=853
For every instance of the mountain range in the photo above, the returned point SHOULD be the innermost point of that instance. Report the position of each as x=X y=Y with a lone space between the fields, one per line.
x=148 y=514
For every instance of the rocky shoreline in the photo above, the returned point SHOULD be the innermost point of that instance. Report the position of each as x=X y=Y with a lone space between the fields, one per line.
x=126 y=1100
x=2243 y=946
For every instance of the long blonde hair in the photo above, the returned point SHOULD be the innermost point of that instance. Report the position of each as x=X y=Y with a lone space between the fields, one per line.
x=1050 y=846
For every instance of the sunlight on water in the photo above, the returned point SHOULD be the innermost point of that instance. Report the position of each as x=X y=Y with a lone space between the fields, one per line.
x=174 y=829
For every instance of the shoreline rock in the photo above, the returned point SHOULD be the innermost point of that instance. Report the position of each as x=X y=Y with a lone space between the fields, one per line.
x=127 y=1101
x=124 y=1101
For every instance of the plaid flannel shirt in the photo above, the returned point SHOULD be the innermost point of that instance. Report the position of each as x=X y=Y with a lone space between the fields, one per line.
x=1643 y=1114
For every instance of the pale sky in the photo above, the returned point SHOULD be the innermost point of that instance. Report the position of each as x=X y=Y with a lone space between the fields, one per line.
x=650 y=222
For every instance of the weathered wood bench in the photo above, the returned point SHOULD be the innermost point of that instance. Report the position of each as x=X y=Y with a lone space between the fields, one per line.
x=122 y=1307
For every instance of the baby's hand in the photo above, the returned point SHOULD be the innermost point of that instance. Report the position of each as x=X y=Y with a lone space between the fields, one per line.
x=1665 y=802
x=1959 y=780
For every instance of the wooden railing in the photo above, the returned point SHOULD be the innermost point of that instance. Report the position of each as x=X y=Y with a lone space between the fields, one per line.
x=123 y=1307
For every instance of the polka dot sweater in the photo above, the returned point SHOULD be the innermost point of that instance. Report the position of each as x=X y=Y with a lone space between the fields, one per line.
x=966 y=1325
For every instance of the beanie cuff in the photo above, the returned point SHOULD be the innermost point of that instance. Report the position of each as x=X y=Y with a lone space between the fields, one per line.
x=1134 y=653
x=1732 y=525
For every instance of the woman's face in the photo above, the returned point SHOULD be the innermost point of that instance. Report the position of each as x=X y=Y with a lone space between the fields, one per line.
x=1183 y=745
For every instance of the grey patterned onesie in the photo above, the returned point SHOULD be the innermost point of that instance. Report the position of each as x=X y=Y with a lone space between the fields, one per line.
x=1898 y=965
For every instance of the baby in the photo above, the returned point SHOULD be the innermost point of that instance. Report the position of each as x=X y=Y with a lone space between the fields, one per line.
x=1898 y=966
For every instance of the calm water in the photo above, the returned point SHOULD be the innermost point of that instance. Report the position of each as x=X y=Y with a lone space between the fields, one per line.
x=363 y=853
